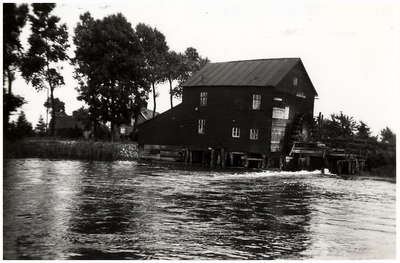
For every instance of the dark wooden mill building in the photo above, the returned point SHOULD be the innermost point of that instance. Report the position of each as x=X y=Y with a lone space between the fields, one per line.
x=241 y=113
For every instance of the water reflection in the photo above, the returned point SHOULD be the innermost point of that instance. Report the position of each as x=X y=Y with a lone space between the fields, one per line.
x=129 y=210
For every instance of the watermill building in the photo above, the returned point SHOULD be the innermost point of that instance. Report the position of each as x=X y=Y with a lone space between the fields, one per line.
x=235 y=113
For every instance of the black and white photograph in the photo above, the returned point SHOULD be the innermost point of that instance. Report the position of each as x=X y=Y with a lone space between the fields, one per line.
x=200 y=130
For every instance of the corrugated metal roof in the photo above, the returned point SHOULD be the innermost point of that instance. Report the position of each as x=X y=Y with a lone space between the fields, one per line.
x=262 y=72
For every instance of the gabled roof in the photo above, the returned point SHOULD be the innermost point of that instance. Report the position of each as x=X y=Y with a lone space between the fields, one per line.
x=262 y=72
x=147 y=114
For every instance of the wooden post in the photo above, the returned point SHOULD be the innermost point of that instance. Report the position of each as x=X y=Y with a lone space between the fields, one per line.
x=212 y=162
x=223 y=156
x=264 y=162
x=246 y=161
x=231 y=157
x=218 y=158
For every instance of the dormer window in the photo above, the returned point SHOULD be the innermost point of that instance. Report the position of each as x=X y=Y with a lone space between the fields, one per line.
x=203 y=98
x=295 y=81
x=256 y=101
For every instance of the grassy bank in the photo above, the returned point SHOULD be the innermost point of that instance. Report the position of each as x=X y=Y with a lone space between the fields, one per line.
x=78 y=150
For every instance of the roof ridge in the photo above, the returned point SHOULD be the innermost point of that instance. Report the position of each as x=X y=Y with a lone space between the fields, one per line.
x=259 y=59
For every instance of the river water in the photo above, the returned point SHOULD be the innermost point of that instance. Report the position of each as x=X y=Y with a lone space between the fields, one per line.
x=57 y=209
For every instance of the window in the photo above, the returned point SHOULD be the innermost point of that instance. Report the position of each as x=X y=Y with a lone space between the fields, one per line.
x=280 y=113
x=295 y=80
x=236 y=132
x=122 y=130
x=253 y=134
x=202 y=124
x=256 y=101
x=203 y=98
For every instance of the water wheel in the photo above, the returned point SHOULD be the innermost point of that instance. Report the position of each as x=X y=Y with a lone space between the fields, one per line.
x=302 y=129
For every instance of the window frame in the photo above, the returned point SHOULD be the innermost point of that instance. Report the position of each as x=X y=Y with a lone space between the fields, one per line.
x=235 y=132
x=203 y=98
x=201 y=127
x=256 y=102
x=254 y=134
x=295 y=81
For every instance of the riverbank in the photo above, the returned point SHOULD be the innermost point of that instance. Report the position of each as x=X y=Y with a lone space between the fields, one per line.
x=105 y=151
x=66 y=149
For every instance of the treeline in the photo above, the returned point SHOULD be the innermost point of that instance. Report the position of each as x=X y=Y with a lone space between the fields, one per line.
x=345 y=127
x=116 y=65
x=379 y=150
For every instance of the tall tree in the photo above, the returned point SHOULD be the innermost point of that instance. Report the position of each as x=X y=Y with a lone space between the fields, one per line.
x=109 y=67
x=155 y=52
x=339 y=126
x=83 y=115
x=388 y=135
x=11 y=102
x=191 y=63
x=14 y=19
x=363 y=131
x=171 y=71
x=41 y=126
x=22 y=127
x=48 y=45
x=59 y=106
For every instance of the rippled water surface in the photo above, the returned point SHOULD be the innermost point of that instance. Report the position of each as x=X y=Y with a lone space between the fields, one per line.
x=56 y=209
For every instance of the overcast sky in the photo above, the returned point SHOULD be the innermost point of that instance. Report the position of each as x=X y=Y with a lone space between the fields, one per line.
x=349 y=49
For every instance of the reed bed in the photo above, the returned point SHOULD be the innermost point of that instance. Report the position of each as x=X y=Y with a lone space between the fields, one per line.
x=80 y=150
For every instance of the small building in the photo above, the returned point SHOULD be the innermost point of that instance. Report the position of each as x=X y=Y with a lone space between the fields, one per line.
x=68 y=126
x=144 y=115
x=236 y=113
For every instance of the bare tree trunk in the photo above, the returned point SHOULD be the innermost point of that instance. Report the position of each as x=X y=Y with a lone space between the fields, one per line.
x=154 y=99
x=112 y=132
x=53 y=113
x=94 y=133
x=136 y=117
x=6 y=113
x=170 y=93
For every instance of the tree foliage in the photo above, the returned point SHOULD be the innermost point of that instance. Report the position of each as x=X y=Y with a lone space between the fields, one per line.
x=83 y=115
x=172 y=70
x=59 y=106
x=48 y=45
x=12 y=102
x=41 y=126
x=109 y=68
x=388 y=135
x=21 y=128
x=363 y=131
x=340 y=125
x=14 y=19
x=191 y=63
x=155 y=51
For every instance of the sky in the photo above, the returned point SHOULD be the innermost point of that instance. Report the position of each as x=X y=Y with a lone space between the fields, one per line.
x=349 y=48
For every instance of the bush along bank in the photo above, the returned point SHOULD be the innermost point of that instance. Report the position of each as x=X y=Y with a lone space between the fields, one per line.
x=80 y=150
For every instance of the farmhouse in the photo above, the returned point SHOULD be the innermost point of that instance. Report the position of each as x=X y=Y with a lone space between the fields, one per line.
x=245 y=113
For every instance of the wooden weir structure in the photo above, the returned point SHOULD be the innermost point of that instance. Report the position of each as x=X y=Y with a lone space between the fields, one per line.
x=317 y=155
x=339 y=156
